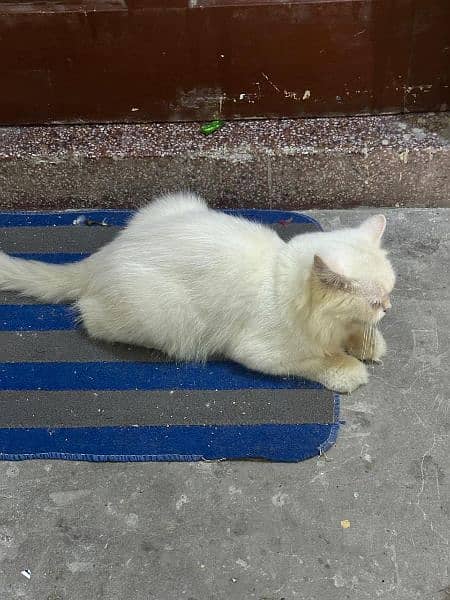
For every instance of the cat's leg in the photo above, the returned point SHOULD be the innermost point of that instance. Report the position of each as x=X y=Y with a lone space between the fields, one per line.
x=108 y=321
x=366 y=344
x=98 y=322
x=340 y=373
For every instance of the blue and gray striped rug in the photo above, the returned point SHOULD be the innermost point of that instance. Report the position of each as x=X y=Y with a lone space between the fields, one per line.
x=63 y=395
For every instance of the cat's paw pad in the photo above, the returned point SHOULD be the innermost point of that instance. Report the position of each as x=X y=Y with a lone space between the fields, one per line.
x=347 y=376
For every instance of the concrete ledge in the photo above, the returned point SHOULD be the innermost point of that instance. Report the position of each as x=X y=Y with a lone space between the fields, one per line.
x=290 y=164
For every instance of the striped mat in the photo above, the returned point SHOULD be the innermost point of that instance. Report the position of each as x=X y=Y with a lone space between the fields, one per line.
x=63 y=395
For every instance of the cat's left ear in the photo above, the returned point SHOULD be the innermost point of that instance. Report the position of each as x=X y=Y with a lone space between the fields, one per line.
x=374 y=227
x=329 y=274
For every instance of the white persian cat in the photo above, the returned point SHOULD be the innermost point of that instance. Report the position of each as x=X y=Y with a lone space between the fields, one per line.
x=195 y=283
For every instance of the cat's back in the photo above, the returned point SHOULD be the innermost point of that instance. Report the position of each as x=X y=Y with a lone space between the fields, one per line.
x=187 y=225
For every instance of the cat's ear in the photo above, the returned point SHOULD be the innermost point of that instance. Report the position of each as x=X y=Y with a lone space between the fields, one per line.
x=328 y=273
x=374 y=227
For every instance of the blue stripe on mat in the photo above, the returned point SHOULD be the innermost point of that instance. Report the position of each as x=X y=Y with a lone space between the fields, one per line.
x=119 y=218
x=57 y=258
x=176 y=443
x=140 y=376
x=36 y=317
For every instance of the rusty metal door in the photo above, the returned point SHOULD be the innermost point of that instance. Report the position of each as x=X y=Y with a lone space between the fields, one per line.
x=73 y=61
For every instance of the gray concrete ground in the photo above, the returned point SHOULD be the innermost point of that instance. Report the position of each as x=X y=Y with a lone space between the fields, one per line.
x=371 y=520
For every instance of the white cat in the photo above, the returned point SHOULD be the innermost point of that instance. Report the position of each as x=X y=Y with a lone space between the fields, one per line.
x=195 y=282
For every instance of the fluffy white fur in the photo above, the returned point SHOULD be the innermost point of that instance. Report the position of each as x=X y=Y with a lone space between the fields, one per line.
x=195 y=282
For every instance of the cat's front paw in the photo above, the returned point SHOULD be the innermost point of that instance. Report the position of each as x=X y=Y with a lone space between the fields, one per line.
x=379 y=347
x=369 y=346
x=346 y=375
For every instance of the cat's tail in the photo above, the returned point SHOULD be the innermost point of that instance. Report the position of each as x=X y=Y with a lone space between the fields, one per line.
x=47 y=282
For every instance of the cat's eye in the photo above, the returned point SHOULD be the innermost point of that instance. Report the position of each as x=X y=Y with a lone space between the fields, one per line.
x=383 y=305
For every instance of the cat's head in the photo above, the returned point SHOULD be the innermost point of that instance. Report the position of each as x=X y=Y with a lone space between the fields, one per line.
x=353 y=276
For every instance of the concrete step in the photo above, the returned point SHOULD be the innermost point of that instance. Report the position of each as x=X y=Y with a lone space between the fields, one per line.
x=397 y=161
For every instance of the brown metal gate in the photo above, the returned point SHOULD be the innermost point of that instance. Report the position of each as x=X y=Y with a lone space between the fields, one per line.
x=75 y=61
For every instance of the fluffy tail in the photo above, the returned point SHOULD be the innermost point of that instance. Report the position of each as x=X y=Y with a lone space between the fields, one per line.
x=47 y=282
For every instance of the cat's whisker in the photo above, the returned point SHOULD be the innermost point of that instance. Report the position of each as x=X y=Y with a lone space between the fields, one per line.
x=364 y=348
x=372 y=340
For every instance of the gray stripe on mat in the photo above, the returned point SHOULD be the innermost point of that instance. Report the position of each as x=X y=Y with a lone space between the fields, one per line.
x=88 y=239
x=68 y=346
x=180 y=407
x=55 y=239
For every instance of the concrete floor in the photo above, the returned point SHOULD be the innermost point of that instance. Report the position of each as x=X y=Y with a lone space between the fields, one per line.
x=371 y=520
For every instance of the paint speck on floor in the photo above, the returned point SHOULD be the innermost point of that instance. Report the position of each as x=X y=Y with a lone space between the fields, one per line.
x=279 y=499
x=183 y=499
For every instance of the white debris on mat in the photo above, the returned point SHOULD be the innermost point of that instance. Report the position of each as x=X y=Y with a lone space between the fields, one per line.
x=26 y=573
x=83 y=220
